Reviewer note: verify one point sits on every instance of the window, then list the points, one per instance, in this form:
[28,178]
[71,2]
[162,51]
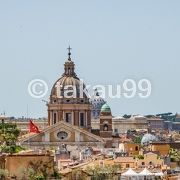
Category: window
[94,113]
[69,70]
[70,91]
[82,120]
[62,135]
[54,118]
[127,165]
[105,128]
[136,148]
[143,163]
[68,117]
[116,130]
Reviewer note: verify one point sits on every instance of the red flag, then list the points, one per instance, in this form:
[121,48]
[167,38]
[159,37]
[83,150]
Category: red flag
[33,128]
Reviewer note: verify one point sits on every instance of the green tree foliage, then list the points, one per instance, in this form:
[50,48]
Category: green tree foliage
[137,140]
[174,155]
[126,116]
[8,137]
[139,157]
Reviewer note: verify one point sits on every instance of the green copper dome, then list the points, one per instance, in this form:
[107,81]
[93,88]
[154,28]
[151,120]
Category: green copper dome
[105,108]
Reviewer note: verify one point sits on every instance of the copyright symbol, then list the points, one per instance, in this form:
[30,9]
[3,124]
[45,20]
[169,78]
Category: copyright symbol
[37,88]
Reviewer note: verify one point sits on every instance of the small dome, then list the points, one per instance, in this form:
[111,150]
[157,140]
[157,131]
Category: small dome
[97,101]
[106,108]
[148,138]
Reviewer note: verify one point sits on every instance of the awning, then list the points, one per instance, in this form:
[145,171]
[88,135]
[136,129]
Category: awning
[159,174]
[129,172]
[145,172]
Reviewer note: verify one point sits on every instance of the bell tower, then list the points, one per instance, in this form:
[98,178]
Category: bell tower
[106,125]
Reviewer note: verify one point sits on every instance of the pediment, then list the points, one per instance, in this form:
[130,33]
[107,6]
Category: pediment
[64,132]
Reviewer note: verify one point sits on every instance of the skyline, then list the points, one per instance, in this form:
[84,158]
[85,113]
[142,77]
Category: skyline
[111,41]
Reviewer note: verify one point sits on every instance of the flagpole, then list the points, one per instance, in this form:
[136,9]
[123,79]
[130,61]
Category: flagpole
[44,119]
[27,115]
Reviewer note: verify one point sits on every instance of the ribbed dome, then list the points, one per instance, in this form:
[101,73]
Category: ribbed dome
[106,108]
[97,102]
[70,83]
[69,86]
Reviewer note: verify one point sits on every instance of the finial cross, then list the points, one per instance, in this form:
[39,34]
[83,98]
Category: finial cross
[69,52]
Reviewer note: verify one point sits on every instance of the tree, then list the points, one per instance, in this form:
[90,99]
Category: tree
[137,140]
[126,116]
[139,157]
[8,137]
[174,155]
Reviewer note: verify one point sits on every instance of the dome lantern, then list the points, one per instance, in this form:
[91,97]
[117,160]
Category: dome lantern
[69,65]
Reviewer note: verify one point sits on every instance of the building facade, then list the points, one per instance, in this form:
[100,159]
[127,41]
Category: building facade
[69,115]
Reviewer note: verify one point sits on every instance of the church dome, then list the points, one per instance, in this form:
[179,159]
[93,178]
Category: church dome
[97,102]
[105,108]
[69,87]
[148,138]
[68,83]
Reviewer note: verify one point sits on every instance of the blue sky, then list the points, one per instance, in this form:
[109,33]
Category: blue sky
[111,41]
